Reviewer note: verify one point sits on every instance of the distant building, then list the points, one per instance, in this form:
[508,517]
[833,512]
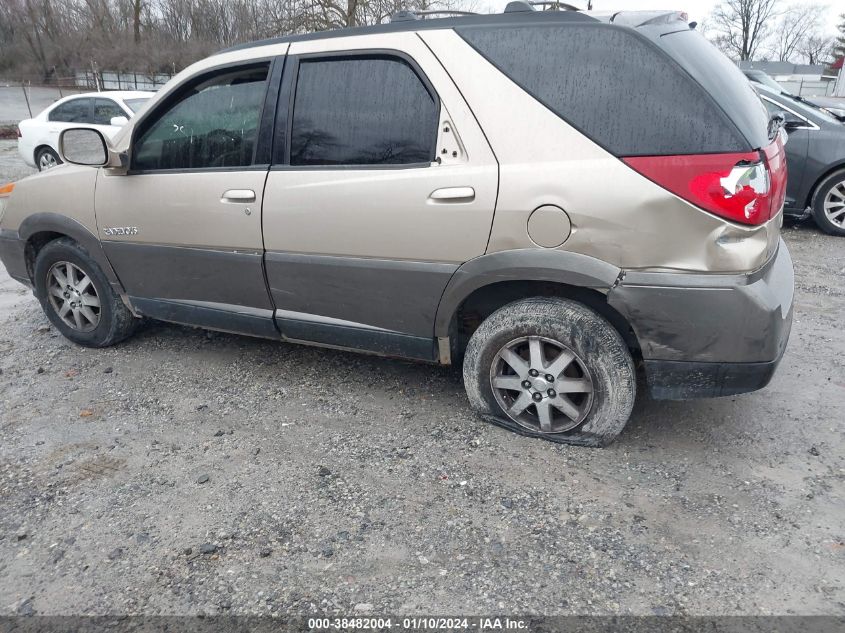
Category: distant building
[800,79]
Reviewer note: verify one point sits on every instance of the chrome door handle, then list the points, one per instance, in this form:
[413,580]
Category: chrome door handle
[453,194]
[238,196]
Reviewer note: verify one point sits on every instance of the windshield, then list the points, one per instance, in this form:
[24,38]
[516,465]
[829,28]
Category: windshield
[135,104]
[760,77]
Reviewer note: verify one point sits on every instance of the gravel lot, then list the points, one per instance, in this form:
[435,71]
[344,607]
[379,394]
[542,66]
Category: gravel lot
[186,472]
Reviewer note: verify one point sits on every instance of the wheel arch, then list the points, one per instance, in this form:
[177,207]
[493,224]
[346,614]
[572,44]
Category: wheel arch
[41,146]
[39,229]
[832,169]
[485,284]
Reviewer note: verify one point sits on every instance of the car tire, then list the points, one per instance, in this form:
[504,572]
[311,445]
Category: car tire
[588,391]
[85,309]
[829,204]
[46,158]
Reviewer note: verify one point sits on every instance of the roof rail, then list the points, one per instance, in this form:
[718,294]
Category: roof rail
[405,16]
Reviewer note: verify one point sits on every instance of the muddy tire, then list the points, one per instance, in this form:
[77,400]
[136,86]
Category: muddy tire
[77,297]
[551,368]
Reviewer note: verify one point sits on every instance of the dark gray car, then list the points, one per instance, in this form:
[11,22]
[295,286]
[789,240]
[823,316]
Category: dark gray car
[815,157]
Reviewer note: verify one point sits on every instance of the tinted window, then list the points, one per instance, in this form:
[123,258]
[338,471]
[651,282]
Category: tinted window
[105,110]
[722,79]
[606,81]
[363,111]
[212,124]
[73,111]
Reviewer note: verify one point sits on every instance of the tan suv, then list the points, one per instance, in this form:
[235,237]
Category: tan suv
[552,199]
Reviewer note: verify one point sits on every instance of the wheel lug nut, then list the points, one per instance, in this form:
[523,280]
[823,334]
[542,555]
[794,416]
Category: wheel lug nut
[526,383]
[550,378]
[537,397]
[552,393]
[533,373]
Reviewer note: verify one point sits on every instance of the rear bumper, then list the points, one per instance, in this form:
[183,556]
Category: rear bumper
[12,255]
[27,152]
[709,335]
[679,380]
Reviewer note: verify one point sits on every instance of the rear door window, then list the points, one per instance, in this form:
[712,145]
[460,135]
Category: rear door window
[372,110]
[73,111]
[212,123]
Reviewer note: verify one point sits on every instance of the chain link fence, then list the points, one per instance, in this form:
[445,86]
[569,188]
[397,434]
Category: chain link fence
[24,98]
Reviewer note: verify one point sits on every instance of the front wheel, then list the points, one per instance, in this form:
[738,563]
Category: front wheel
[77,297]
[551,368]
[829,204]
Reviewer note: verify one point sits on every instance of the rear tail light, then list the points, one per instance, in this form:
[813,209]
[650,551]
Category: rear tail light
[743,187]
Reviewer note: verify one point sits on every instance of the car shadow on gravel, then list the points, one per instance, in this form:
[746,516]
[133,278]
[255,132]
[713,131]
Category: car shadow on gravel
[683,424]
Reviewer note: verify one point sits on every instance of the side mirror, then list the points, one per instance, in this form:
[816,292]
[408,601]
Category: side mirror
[792,122]
[118,121]
[83,146]
[776,123]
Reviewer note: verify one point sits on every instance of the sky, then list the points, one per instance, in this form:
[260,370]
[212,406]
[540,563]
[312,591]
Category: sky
[698,10]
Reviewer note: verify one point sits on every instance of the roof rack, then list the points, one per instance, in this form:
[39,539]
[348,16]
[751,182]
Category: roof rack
[406,16]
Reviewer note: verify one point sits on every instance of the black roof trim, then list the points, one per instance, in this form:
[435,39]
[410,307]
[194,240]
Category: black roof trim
[497,19]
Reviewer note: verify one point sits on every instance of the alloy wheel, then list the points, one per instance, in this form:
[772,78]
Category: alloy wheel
[834,204]
[541,384]
[73,296]
[46,161]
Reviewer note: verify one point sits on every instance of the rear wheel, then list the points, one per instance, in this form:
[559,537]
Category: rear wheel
[829,204]
[46,158]
[77,297]
[551,368]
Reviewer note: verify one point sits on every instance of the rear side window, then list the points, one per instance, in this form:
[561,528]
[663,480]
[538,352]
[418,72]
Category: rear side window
[212,123]
[105,110]
[722,79]
[610,84]
[73,111]
[362,111]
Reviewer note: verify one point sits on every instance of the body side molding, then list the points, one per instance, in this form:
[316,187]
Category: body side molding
[213,316]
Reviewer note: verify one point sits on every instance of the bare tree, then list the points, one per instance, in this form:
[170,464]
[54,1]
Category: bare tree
[816,48]
[798,23]
[137,5]
[742,26]
[57,37]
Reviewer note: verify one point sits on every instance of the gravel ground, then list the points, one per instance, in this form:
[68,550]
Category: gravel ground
[186,472]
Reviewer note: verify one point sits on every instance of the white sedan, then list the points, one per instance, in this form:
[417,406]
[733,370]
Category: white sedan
[38,137]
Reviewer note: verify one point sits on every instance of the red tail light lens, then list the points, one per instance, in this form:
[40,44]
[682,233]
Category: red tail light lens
[743,187]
